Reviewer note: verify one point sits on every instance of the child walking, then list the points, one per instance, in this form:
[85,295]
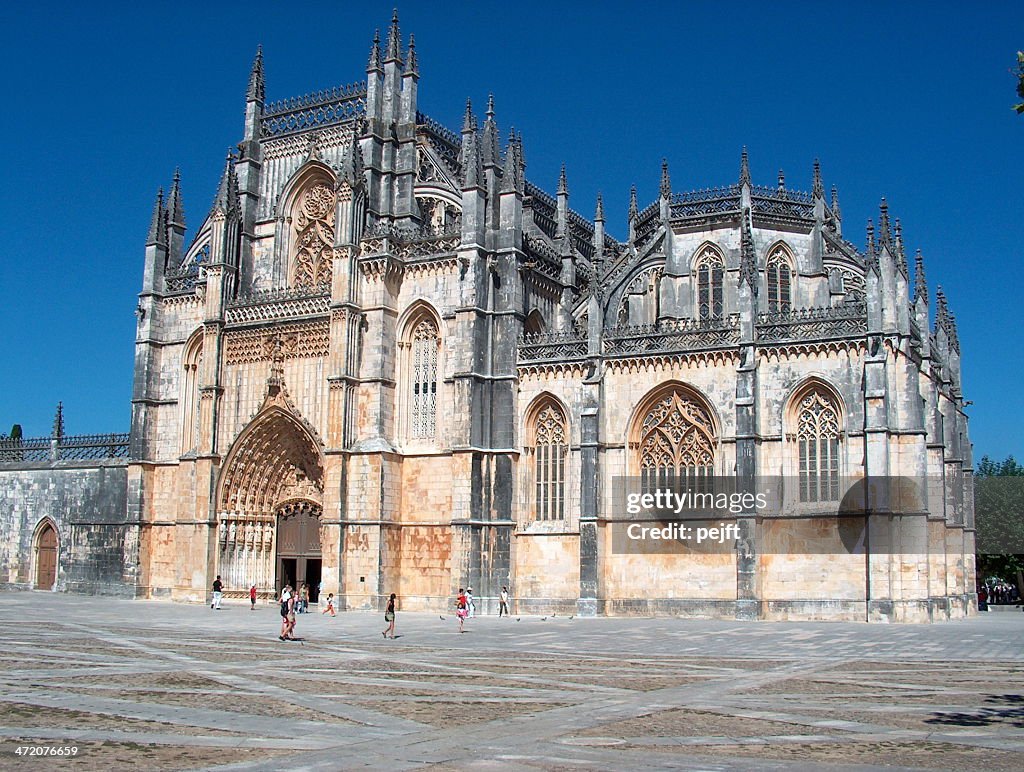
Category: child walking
[330,604]
[389,617]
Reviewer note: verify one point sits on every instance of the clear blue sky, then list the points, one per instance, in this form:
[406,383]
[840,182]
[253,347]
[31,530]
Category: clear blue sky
[911,101]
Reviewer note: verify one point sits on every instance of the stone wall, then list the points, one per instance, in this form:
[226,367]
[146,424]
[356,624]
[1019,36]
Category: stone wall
[86,503]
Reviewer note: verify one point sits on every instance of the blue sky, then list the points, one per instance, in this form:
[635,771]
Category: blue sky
[910,101]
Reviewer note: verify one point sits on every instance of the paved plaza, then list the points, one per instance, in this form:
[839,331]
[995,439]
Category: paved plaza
[152,685]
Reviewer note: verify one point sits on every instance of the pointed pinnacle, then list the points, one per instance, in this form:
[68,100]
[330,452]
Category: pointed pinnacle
[818,190]
[374,63]
[599,214]
[58,421]
[920,281]
[666,184]
[563,184]
[175,209]
[490,106]
[885,232]
[394,40]
[634,210]
[411,65]
[468,120]
[256,88]
[871,237]
[155,235]
[835,203]
[782,180]
[744,167]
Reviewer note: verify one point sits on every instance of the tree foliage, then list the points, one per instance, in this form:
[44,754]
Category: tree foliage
[999,518]
[1019,107]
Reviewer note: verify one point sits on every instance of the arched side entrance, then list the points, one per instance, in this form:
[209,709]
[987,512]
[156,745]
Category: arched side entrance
[298,546]
[46,557]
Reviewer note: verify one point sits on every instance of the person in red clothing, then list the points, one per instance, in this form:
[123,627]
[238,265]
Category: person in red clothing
[252,598]
[461,608]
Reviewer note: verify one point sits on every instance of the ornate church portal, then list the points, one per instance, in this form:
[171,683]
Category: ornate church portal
[270,500]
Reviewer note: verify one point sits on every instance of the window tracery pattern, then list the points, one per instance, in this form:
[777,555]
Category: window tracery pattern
[710,270]
[778,280]
[423,402]
[550,446]
[818,439]
[314,236]
[676,443]
[192,366]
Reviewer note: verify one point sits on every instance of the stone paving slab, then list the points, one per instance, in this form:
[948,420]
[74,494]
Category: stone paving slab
[538,693]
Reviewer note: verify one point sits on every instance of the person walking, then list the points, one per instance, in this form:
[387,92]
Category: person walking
[287,617]
[461,609]
[389,617]
[470,604]
[252,597]
[503,603]
[330,605]
[218,592]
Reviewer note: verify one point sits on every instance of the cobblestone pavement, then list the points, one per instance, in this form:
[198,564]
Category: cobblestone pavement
[151,685]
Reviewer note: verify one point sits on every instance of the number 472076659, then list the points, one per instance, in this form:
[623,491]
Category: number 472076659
[46,750]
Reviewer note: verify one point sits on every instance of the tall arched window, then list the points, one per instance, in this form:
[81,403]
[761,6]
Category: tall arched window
[192,366]
[778,274]
[424,343]
[313,220]
[675,443]
[710,269]
[817,434]
[549,432]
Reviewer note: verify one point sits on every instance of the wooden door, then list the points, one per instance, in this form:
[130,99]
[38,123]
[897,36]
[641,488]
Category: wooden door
[46,558]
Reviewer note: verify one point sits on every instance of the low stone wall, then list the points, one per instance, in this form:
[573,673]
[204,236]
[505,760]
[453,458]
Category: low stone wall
[86,503]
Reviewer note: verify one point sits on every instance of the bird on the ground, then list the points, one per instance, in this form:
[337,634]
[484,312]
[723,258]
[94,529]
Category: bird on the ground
[517,619]
[571,616]
[439,616]
[543,619]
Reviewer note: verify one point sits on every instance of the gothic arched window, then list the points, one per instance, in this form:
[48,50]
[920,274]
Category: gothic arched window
[778,272]
[549,431]
[710,269]
[675,443]
[817,434]
[313,220]
[192,365]
[423,343]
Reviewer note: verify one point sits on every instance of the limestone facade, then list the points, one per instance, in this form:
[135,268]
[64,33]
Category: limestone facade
[388,362]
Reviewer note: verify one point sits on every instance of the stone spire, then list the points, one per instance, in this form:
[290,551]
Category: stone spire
[599,213]
[744,168]
[872,252]
[374,63]
[901,256]
[748,257]
[58,421]
[226,199]
[782,180]
[491,147]
[634,210]
[920,281]
[818,190]
[512,173]
[175,209]
[563,184]
[835,203]
[394,40]
[666,183]
[885,231]
[468,120]
[257,88]
[411,65]
[157,231]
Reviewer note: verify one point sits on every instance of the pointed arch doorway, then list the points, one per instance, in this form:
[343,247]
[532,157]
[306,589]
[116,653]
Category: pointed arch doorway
[298,546]
[270,503]
[46,557]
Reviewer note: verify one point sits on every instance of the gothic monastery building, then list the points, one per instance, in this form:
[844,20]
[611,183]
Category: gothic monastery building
[386,361]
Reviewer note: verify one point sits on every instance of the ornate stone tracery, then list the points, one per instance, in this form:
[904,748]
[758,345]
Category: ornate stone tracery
[710,276]
[314,236]
[778,271]
[818,439]
[675,440]
[550,445]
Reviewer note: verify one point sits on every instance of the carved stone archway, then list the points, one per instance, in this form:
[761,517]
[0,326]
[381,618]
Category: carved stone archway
[46,557]
[275,468]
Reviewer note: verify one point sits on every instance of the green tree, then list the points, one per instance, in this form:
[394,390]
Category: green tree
[999,519]
[1019,107]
